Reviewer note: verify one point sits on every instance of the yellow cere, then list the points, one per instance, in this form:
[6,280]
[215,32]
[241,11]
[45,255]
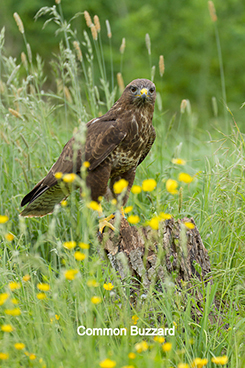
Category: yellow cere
[108,286]
[171,186]
[178,161]
[149,185]
[3,219]
[107,363]
[69,178]
[119,186]
[144,91]
[70,274]
[185,178]
[96,299]
[136,189]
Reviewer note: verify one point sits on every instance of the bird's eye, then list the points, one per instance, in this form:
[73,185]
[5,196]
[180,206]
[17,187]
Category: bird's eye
[152,89]
[133,89]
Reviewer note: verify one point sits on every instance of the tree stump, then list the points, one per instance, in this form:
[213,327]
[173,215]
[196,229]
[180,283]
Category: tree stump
[154,256]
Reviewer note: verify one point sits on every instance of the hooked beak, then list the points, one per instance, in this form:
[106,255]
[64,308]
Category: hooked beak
[143,93]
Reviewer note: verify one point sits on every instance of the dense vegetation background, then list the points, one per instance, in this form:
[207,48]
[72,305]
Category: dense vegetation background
[180,30]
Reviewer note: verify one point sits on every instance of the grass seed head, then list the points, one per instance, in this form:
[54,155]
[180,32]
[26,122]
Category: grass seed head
[212,11]
[19,23]
[97,23]
[87,18]
[161,65]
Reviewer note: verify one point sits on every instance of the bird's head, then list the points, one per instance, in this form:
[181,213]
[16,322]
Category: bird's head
[140,92]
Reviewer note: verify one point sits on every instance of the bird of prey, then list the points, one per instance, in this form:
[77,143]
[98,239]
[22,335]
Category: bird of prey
[116,143]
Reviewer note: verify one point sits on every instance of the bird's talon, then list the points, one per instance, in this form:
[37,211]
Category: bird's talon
[105,222]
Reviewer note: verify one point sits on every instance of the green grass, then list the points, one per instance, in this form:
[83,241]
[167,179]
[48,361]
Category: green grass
[30,144]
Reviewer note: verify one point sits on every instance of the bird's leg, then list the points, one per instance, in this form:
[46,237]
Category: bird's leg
[122,212]
[104,221]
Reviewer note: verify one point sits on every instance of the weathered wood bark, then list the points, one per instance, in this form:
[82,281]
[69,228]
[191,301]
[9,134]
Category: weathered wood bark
[152,256]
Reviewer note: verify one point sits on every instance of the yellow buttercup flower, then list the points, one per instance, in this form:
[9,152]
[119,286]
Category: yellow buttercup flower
[135,319]
[86,164]
[41,296]
[171,186]
[108,286]
[79,256]
[19,346]
[189,225]
[159,339]
[141,346]
[178,161]
[199,363]
[26,278]
[94,206]
[185,178]
[120,185]
[9,237]
[96,300]
[63,203]
[13,285]
[128,209]
[3,219]
[154,223]
[165,216]
[136,189]
[69,244]
[69,178]
[4,356]
[43,287]
[7,328]
[32,356]
[108,363]
[222,360]
[13,312]
[132,355]
[167,346]
[83,245]
[14,301]
[133,219]
[58,175]
[3,298]
[70,274]
[92,283]
[149,185]
[183,365]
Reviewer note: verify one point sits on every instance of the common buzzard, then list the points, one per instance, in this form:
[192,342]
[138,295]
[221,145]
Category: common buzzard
[116,143]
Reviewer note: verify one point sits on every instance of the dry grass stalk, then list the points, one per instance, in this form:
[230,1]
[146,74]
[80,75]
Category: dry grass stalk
[78,50]
[29,53]
[183,106]
[212,11]
[161,65]
[123,45]
[87,18]
[120,82]
[19,22]
[108,27]
[94,32]
[67,94]
[15,113]
[97,23]
[148,43]
[24,60]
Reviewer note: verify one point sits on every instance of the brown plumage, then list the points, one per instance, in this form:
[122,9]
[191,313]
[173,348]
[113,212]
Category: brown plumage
[116,143]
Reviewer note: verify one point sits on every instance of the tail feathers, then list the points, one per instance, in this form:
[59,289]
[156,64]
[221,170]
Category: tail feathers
[42,200]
